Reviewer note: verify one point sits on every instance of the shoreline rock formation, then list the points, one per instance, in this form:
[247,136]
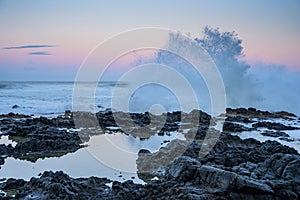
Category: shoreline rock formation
[233,169]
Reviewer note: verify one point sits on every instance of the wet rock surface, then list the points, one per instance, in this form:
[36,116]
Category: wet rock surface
[209,164]
[274,126]
[38,137]
[233,128]
[275,134]
[254,113]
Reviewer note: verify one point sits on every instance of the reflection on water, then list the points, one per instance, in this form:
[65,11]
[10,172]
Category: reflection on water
[119,151]
[109,155]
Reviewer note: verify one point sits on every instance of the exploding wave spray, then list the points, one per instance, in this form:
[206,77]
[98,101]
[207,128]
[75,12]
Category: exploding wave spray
[264,87]
[153,94]
[278,86]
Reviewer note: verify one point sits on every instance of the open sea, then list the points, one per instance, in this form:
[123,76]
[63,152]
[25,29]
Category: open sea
[53,98]
[46,98]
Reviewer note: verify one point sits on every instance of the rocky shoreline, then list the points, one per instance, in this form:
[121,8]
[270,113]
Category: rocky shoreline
[233,169]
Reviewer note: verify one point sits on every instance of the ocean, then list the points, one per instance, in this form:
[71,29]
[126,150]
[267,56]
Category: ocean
[45,98]
[54,98]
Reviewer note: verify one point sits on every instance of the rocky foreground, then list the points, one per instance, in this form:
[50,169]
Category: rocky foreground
[232,169]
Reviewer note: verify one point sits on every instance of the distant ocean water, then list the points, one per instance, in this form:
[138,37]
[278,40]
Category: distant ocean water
[45,98]
[53,98]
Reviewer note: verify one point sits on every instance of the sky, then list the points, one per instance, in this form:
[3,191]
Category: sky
[49,40]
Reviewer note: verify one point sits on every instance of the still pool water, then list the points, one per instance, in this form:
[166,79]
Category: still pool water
[107,155]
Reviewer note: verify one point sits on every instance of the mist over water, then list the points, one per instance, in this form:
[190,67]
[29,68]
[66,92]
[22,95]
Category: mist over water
[262,86]
[278,87]
[166,96]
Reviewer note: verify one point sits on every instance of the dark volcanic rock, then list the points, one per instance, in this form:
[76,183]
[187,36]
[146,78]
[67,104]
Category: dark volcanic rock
[275,134]
[280,166]
[275,178]
[15,106]
[60,186]
[202,118]
[38,137]
[242,169]
[233,127]
[287,139]
[150,164]
[254,113]
[12,183]
[231,151]
[283,114]
[6,149]
[225,181]
[221,166]
[239,119]
[183,168]
[144,151]
[274,126]
[271,147]
[14,115]
[250,112]
[197,133]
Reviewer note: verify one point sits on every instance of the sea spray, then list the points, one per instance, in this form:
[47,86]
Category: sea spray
[263,86]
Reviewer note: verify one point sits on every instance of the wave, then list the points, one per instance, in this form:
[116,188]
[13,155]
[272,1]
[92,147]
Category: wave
[266,87]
